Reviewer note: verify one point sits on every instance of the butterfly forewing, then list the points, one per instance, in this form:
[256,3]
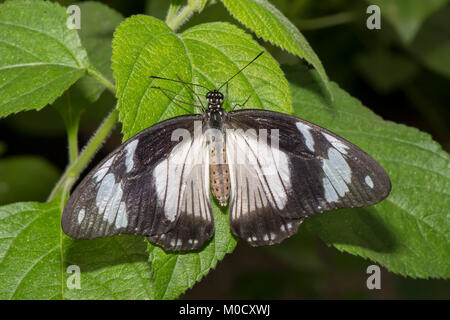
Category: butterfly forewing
[156,184]
[284,169]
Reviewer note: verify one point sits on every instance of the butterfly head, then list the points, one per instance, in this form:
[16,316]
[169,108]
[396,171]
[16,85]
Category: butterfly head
[215,100]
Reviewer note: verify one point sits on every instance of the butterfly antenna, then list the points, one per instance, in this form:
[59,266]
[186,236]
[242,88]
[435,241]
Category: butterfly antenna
[180,81]
[187,85]
[259,54]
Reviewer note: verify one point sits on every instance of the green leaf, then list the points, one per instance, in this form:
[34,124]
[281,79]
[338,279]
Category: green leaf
[35,256]
[207,54]
[174,273]
[376,65]
[407,16]
[97,26]
[268,23]
[199,4]
[26,178]
[408,233]
[98,23]
[41,56]
[432,44]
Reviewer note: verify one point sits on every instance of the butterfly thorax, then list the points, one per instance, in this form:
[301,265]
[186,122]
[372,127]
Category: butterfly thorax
[218,169]
[215,110]
[215,100]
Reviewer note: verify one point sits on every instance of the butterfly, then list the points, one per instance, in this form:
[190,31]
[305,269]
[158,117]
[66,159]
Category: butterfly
[272,169]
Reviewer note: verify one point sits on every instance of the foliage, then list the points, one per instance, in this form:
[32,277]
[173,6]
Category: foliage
[44,62]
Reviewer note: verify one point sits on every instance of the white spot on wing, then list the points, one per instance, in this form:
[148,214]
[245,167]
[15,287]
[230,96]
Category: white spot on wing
[304,129]
[109,202]
[369,181]
[113,205]
[130,149]
[174,175]
[337,175]
[103,170]
[104,192]
[122,219]
[160,177]
[81,216]
[265,167]
[339,145]
[329,193]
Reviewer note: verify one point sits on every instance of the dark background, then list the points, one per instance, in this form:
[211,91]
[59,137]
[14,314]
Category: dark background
[372,65]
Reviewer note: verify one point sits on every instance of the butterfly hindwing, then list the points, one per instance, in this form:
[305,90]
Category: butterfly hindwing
[153,184]
[304,170]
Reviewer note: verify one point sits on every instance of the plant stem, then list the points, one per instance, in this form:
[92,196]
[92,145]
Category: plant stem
[100,78]
[172,11]
[72,137]
[72,122]
[73,171]
[77,162]
[174,21]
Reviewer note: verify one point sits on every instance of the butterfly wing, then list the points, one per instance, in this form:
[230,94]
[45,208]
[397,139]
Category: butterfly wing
[155,184]
[304,170]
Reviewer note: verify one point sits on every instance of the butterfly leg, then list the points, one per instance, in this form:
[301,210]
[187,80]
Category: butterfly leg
[174,99]
[226,93]
[241,105]
[192,90]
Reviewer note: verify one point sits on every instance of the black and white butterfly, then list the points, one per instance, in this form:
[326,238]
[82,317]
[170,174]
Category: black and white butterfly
[273,169]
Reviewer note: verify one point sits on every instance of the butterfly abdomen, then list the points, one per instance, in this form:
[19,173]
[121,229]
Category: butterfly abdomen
[219,174]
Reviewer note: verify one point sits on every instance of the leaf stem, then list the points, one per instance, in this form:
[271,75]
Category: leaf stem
[172,11]
[72,122]
[73,171]
[77,162]
[175,20]
[100,78]
[72,137]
